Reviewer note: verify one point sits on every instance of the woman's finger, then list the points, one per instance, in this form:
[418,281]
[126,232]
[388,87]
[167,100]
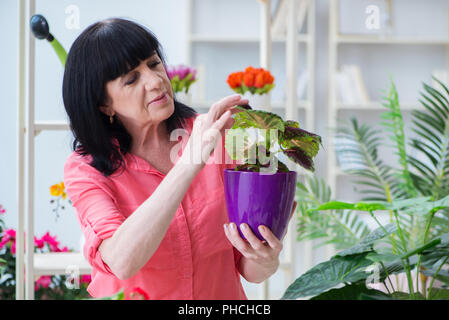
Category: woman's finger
[255,243]
[218,108]
[236,240]
[220,123]
[272,241]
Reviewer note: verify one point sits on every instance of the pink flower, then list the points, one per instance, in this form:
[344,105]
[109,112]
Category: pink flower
[9,235]
[2,210]
[86,278]
[51,241]
[181,71]
[43,281]
[39,243]
[4,241]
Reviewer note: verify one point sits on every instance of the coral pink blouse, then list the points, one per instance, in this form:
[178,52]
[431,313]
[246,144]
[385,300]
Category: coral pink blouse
[195,260]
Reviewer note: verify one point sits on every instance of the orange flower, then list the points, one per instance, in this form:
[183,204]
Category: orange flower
[259,81]
[268,78]
[256,80]
[248,79]
[235,79]
[249,69]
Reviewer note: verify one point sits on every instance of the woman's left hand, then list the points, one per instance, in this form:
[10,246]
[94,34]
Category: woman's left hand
[264,253]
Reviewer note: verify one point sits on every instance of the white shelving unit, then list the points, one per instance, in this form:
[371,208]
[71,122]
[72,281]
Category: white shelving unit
[28,129]
[291,106]
[335,41]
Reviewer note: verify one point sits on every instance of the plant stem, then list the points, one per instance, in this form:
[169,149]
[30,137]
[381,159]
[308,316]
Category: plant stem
[401,235]
[429,290]
[377,221]
[393,239]
[409,278]
[386,287]
[407,262]
[388,277]
[426,232]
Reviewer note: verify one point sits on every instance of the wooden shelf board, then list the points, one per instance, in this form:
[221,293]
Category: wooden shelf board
[55,263]
[375,106]
[51,125]
[302,104]
[304,38]
[374,39]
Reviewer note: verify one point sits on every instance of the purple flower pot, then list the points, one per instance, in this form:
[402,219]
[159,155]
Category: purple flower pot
[260,199]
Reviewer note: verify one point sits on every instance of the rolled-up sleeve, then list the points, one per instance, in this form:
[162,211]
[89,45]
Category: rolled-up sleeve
[94,205]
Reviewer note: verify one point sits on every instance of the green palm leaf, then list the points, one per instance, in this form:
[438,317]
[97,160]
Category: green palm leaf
[396,126]
[432,127]
[373,174]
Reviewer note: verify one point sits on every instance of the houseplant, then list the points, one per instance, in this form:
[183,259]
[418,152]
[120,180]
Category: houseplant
[181,78]
[55,287]
[414,195]
[260,190]
[253,83]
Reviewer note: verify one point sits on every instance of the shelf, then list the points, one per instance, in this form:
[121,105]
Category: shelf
[302,104]
[59,263]
[302,38]
[376,39]
[375,106]
[39,126]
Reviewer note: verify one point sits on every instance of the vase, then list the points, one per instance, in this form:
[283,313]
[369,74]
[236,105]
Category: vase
[257,101]
[260,199]
[185,98]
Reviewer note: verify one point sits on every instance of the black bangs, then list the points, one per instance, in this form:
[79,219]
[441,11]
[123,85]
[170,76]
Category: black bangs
[129,43]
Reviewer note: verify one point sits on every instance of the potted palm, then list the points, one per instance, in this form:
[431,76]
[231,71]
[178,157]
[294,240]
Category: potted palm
[260,190]
[406,256]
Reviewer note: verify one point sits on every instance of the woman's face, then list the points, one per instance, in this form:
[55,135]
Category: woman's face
[142,96]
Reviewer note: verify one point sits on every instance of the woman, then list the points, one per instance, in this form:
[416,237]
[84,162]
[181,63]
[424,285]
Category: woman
[151,215]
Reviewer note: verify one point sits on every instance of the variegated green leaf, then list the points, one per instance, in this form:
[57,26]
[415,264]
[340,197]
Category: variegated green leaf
[302,139]
[240,145]
[258,119]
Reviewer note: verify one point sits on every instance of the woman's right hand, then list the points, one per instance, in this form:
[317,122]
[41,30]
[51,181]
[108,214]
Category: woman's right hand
[208,128]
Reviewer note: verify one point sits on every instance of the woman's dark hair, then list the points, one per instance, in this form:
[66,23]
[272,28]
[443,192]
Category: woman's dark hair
[104,51]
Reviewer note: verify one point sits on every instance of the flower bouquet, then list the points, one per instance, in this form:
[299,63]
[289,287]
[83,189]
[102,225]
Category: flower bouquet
[181,77]
[253,80]
[46,287]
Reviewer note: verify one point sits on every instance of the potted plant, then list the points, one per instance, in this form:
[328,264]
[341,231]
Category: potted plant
[253,83]
[413,242]
[181,78]
[260,190]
